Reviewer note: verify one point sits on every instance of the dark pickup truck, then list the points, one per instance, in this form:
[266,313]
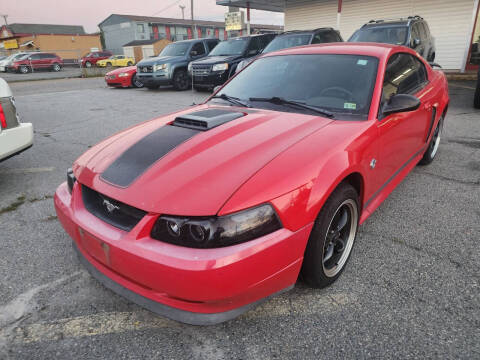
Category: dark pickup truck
[170,66]
[220,64]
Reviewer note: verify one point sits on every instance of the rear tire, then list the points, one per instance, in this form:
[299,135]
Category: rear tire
[332,238]
[24,69]
[476,97]
[433,144]
[135,82]
[181,80]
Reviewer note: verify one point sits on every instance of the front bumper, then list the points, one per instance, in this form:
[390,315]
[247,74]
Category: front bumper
[211,80]
[195,286]
[116,81]
[15,140]
[161,78]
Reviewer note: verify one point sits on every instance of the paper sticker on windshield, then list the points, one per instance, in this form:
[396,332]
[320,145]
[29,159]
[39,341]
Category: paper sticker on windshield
[362,62]
[351,106]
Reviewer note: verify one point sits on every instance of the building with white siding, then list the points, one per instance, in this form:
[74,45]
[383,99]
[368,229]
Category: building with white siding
[453,24]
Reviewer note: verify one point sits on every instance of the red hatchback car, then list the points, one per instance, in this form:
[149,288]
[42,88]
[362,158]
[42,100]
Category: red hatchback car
[91,59]
[36,61]
[201,214]
[123,77]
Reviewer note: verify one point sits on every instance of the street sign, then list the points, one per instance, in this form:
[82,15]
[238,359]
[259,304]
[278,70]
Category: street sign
[234,21]
[10,44]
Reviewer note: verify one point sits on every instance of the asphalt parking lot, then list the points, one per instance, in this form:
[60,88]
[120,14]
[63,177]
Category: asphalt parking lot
[65,72]
[410,290]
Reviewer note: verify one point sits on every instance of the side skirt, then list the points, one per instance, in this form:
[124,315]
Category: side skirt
[374,202]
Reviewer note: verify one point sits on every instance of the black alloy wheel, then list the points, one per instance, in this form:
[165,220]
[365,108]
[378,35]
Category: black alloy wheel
[181,81]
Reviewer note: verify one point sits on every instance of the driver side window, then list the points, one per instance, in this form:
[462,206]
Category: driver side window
[404,75]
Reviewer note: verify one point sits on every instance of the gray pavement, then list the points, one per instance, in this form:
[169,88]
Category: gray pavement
[410,290]
[65,73]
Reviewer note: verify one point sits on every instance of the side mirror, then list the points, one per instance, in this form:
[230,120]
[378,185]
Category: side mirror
[417,42]
[401,103]
[193,53]
[434,64]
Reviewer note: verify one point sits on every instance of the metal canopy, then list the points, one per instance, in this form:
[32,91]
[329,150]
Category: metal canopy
[269,5]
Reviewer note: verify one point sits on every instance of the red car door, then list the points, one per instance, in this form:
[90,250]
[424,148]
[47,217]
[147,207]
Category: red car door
[35,61]
[402,135]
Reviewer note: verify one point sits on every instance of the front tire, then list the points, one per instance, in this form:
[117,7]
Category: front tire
[135,82]
[433,145]
[332,238]
[181,80]
[56,67]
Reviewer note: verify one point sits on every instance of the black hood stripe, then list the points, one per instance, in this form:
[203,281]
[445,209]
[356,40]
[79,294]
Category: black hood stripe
[143,154]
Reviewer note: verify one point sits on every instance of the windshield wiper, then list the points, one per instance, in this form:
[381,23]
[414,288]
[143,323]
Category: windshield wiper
[231,99]
[281,101]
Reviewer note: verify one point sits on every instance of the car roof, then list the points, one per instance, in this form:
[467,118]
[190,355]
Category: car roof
[311,31]
[193,40]
[367,49]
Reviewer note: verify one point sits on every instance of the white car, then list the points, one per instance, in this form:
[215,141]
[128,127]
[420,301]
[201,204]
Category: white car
[15,136]
[4,63]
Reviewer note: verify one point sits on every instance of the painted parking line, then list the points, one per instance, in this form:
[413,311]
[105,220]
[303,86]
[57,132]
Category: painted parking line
[461,86]
[119,322]
[27,170]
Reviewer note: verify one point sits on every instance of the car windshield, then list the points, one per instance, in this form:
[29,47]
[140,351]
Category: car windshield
[388,35]
[230,47]
[178,49]
[288,41]
[337,83]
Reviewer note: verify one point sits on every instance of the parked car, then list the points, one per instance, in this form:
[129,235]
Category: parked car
[116,60]
[476,99]
[91,59]
[170,66]
[123,77]
[201,214]
[15,136]
[412,32]
[37,61]
[5,62]
[296,38]
[220,64]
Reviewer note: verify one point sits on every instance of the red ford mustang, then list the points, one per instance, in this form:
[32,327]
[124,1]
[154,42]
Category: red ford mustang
[123,77]
[201,214]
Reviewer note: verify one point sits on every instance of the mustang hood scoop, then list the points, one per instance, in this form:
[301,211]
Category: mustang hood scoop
[206,119]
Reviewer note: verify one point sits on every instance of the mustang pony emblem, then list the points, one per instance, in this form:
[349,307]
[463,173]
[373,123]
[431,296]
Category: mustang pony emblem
[109,206]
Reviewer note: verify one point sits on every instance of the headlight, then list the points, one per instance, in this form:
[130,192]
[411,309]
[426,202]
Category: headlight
[157,67]
[70,180]
[217,231]
[220,67]
[122,74]
[189,67]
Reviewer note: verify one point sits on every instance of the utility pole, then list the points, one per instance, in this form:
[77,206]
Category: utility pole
[194,27]
[182,7]
[5,16]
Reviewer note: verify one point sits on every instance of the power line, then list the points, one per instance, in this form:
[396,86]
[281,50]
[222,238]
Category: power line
[167,7]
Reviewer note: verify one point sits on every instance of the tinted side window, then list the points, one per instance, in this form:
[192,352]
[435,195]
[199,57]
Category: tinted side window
[211,44]
[265,40]
[199,48]
[404,75]
[35,57]
[415,33]
[255,45]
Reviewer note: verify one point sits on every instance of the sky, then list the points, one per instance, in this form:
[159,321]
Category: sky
[90,13]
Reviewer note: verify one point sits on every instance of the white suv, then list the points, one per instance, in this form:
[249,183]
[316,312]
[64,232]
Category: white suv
[15,136]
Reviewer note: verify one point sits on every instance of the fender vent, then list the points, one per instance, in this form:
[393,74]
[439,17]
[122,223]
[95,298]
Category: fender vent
[206,119]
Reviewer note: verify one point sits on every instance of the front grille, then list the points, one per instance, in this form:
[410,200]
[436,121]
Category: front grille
[113,212]
[145,69]
[201,69]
